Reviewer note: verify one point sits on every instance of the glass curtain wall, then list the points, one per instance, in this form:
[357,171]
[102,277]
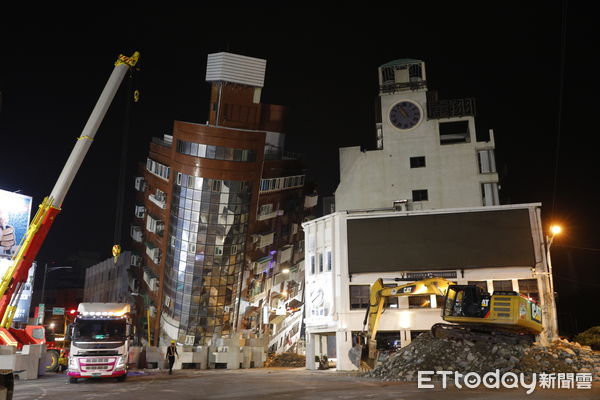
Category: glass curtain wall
[208,225]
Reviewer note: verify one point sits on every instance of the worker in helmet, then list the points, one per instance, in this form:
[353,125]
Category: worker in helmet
[171,353]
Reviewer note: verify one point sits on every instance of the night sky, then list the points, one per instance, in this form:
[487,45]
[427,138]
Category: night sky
[322,64]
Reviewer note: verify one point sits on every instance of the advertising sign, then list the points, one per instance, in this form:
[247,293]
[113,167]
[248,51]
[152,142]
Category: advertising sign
[22,314]
[15,212]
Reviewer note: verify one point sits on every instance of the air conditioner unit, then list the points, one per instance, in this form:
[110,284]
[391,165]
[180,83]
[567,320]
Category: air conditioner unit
[140,211]
[139,183]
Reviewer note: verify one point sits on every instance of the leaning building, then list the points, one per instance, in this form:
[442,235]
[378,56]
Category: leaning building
[216,238]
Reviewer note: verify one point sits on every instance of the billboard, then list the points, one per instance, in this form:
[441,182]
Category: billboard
[15,212]
[22,313]
[495,238]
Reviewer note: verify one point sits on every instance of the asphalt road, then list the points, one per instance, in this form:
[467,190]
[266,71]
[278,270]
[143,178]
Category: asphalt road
[265,383]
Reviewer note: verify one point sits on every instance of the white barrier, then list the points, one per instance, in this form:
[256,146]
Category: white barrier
[27,364]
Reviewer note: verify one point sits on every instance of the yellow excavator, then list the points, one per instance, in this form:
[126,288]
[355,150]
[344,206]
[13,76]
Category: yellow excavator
[472,312]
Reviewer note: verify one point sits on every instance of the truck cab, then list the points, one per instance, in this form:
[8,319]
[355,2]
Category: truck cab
[100,339]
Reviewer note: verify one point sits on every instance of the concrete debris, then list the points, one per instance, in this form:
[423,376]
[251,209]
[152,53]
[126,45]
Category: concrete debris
[286,360]
[427,353]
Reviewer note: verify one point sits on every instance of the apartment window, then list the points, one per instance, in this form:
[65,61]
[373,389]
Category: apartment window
[312,265]
[487,161]
[439,301]
[140,211]
[420,195]
[481,284]
[454,132]
[266,209]
[417,162]
[489,194]
[157,169]
[359,296]
[281,183]
[422,301]
[529,288]
[503,286]
[329,261]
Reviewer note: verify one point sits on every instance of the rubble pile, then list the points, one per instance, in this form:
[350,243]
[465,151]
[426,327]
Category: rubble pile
[286,360]
[427,353]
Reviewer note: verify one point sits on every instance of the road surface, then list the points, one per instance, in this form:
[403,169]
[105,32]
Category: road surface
[265,383]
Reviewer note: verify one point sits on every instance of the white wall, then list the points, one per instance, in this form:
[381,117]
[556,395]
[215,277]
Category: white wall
[328,294]
[374,179]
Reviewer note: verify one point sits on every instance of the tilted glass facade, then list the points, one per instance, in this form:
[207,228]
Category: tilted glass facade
[208,225]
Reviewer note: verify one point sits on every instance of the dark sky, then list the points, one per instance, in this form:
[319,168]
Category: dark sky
[322,64]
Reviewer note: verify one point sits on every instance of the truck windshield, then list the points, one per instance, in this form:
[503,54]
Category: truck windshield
[95,330]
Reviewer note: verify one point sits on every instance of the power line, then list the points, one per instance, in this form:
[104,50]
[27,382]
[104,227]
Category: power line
[576,247]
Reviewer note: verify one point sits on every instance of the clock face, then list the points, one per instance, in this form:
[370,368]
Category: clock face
[405,115]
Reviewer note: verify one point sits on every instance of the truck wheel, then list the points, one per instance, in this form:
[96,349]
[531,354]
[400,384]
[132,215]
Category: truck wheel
[52,365]
[73,380]
[122,378]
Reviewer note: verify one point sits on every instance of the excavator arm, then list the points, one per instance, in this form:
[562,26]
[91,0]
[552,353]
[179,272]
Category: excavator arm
[379,293]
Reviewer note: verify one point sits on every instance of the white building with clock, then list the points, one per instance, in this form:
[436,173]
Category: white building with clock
[427,150]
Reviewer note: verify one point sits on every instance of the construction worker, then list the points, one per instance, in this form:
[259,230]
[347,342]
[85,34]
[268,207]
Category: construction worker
[171,353]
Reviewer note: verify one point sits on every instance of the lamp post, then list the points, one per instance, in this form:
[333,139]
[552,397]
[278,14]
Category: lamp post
[551,298]
[41,309]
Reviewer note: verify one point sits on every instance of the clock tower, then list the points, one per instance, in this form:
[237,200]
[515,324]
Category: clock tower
[427,155]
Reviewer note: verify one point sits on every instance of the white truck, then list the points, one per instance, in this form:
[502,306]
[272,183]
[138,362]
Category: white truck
[100,339]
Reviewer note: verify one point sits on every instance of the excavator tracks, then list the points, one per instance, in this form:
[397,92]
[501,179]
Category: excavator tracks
[480,333]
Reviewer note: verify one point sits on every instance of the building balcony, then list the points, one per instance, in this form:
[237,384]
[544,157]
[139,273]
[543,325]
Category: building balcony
[140,184]
[153,252]
[284,254]
[151,279]
[140,211]
[160,201]
[155,225]
[261,264]
[136,233]
[136,260]
[264,239]
[269,215]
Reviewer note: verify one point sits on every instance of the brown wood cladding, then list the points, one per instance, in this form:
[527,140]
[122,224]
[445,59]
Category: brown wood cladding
[238,109]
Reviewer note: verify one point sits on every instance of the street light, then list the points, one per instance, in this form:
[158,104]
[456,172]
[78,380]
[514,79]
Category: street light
[554,230]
